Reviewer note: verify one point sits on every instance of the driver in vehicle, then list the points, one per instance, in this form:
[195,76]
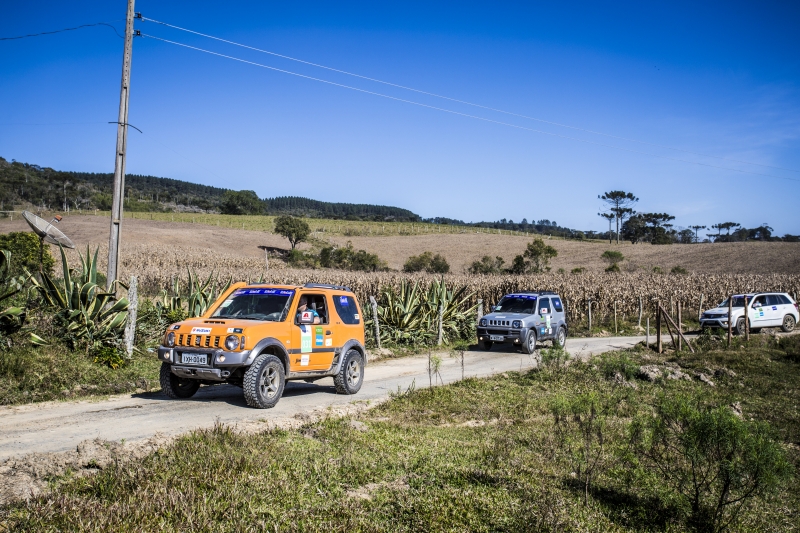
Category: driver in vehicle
[303,306]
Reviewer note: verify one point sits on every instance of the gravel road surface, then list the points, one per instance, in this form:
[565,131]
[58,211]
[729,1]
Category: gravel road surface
[61,426]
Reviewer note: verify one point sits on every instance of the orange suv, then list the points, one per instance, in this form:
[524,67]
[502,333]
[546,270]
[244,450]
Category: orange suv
[260,336]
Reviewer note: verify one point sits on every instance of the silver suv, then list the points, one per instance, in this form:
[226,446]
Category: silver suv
[522,319]
[765,310]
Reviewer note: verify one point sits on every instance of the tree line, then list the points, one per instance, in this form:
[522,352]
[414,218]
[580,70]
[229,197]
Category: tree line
[657,228]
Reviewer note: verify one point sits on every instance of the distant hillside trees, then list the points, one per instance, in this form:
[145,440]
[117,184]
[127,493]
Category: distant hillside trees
[241,203]
[620,205]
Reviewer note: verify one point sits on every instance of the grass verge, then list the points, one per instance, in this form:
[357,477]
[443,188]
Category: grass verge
[29,374]
[478,455]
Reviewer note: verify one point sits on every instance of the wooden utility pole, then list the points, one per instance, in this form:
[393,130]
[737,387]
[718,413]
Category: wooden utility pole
[119,157]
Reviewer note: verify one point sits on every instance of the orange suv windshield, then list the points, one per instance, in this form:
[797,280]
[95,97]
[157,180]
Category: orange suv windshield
[271,305]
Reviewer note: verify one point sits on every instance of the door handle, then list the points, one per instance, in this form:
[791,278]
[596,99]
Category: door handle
[328,332]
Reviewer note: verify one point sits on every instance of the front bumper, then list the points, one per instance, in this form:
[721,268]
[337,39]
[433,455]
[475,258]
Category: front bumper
[714,322]
[220,363]
[508,335]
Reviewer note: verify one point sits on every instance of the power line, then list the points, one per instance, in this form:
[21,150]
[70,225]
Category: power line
[467,115]
[465,102]
[49,123]
[65,29]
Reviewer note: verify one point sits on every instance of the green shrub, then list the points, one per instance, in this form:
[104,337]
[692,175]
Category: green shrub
[347,258]
[300,259]
[613,268]
[658,270]
[580,423]
[678,270]
[110,356]
[538,255]
[24,248]
[487,265]
[578,270]
[612,364]
[711,460]
[612,257]
[11,318]
[427,262]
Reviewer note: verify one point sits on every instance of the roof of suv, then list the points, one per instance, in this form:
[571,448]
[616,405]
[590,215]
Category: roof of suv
[540,293]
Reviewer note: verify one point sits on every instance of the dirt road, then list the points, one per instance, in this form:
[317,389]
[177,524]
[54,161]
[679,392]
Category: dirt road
[61,426]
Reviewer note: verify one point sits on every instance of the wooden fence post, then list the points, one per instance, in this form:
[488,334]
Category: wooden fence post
[647,335]
[730,316]
[374,305]
[589,306]
[480,309]
[441,314]
[130,327]
[680,326]
[700,309]
[641,310]
[616,331]
[746,319]
[658,327]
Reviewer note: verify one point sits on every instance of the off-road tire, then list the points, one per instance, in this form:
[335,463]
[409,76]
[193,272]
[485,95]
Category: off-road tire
[529,342]
[788,323]
[739,329]
[561,337]
[175,387]
[485,345]
[264,382]
[351,374]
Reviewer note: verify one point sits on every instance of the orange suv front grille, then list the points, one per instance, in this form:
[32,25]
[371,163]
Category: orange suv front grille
[204,341]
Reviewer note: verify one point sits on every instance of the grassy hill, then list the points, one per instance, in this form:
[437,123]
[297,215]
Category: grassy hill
[27,184]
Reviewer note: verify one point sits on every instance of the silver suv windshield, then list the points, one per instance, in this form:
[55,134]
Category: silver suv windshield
[271,305]
[517,303]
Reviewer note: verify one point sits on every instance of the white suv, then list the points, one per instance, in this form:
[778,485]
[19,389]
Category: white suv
[766,310]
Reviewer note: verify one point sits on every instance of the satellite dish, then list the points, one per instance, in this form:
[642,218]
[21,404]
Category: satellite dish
[46,231]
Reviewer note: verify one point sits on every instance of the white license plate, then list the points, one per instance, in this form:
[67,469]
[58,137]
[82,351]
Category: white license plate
[194,358]
[496,338]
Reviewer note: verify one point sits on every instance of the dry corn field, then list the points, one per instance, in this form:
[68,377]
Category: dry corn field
[156,271]
[157,252]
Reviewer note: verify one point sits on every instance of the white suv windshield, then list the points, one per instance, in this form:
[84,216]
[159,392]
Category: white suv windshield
[738,301]
[256,304]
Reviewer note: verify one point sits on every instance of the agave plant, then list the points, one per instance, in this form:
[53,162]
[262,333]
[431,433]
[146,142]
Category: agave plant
[11,318]
[411,315]
[89,314]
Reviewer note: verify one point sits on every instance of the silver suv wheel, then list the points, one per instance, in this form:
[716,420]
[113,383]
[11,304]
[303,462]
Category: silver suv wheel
[788,323]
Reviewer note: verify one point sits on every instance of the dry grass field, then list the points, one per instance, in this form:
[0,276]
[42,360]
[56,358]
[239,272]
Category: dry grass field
[234,244]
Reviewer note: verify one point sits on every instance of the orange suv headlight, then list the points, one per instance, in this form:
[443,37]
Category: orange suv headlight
[231,342]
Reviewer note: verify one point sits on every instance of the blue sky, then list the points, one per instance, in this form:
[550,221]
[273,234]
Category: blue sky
[720,79]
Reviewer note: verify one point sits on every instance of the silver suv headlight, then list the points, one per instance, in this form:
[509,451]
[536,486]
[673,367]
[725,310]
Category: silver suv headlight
[231,342]
[170,340]
[483,321]
[516,324]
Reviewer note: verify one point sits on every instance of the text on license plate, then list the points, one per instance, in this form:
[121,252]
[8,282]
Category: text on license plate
[496,338]
[195,358]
